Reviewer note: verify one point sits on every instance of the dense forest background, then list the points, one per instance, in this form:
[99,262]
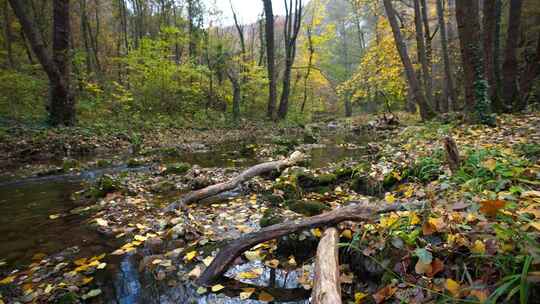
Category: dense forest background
[173,62]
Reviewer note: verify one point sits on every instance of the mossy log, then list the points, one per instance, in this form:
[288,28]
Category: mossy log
[212,190]
[357,211]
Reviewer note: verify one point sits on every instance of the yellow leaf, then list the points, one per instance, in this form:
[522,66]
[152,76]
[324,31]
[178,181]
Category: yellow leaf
[140,238]
[102,222]
[316,232]
[359,296]
[247,275]
[490,164]
[390,198]
[190,255]
[265,297]
[54,216]
[7,280]
[414,219]
[217,287]
[254,255]
[347,233]
[87,280]
[201,290]
[102,266]
[80,262]
[208,260]
[453,287]
[48,289]
[246,293]
[479,247]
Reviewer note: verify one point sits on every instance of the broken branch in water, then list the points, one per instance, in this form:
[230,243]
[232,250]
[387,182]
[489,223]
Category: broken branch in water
[358,211]
[248,174]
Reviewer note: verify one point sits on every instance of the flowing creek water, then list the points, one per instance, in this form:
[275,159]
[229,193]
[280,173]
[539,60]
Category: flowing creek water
[26,231]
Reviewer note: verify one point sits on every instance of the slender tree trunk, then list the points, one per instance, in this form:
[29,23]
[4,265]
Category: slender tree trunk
[451,96]
[428,80]
[532,72]
[61,105]
[510,69]
[489,21]
[293,21]
[8,36]
[425,110]
[311,50]
[27,48]
[499,103]
[270,57]
[192,50]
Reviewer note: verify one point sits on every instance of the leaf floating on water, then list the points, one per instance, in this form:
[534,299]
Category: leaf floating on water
[54,216]
[208,260]
[102,266]
[92,294]
[102,222]
[265,297]
[217,287]
[195,273]
[253,255]
[246,293]
[359,297]
[7,280]
[201,290]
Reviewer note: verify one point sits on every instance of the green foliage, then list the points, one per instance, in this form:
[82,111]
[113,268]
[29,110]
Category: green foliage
[22,95]
[427,168]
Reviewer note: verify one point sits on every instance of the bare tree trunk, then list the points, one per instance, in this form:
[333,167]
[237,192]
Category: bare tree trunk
[425,109]
[293,19]
[270,57]
[61,105]
[428,72]
[532,72]
[8,36]
[311,50]
[510,69]
[450,91]
[327,288]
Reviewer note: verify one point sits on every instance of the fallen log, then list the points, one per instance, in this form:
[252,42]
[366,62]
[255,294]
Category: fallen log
[358,211]
[257,170]
[327,288]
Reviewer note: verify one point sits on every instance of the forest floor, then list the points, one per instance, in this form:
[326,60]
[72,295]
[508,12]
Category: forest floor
[476,239]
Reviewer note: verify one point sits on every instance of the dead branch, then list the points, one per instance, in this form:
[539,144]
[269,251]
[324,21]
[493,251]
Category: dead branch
[358,211]
[327,288]
[212,190]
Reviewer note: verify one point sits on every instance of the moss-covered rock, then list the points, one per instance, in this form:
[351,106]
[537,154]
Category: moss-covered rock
[177,168]
[69,164]
[367,185]
[309,181]
[344,173]
[134,162]
[102,163]
[270,217]
[308,208]
[163,187]
[289,189]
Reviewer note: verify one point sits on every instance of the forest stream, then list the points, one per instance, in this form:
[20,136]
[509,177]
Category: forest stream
[30,229]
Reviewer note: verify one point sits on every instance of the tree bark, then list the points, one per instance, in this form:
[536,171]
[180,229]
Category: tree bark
[490,22]
[452,154]
[531,73]
[476,90]
[359,211]
[293,19]
[270,57]
[450,91]
[61,105]
[510,68]
[425,109]
[428,80]
[327,288]
[8,36]
[233,183]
